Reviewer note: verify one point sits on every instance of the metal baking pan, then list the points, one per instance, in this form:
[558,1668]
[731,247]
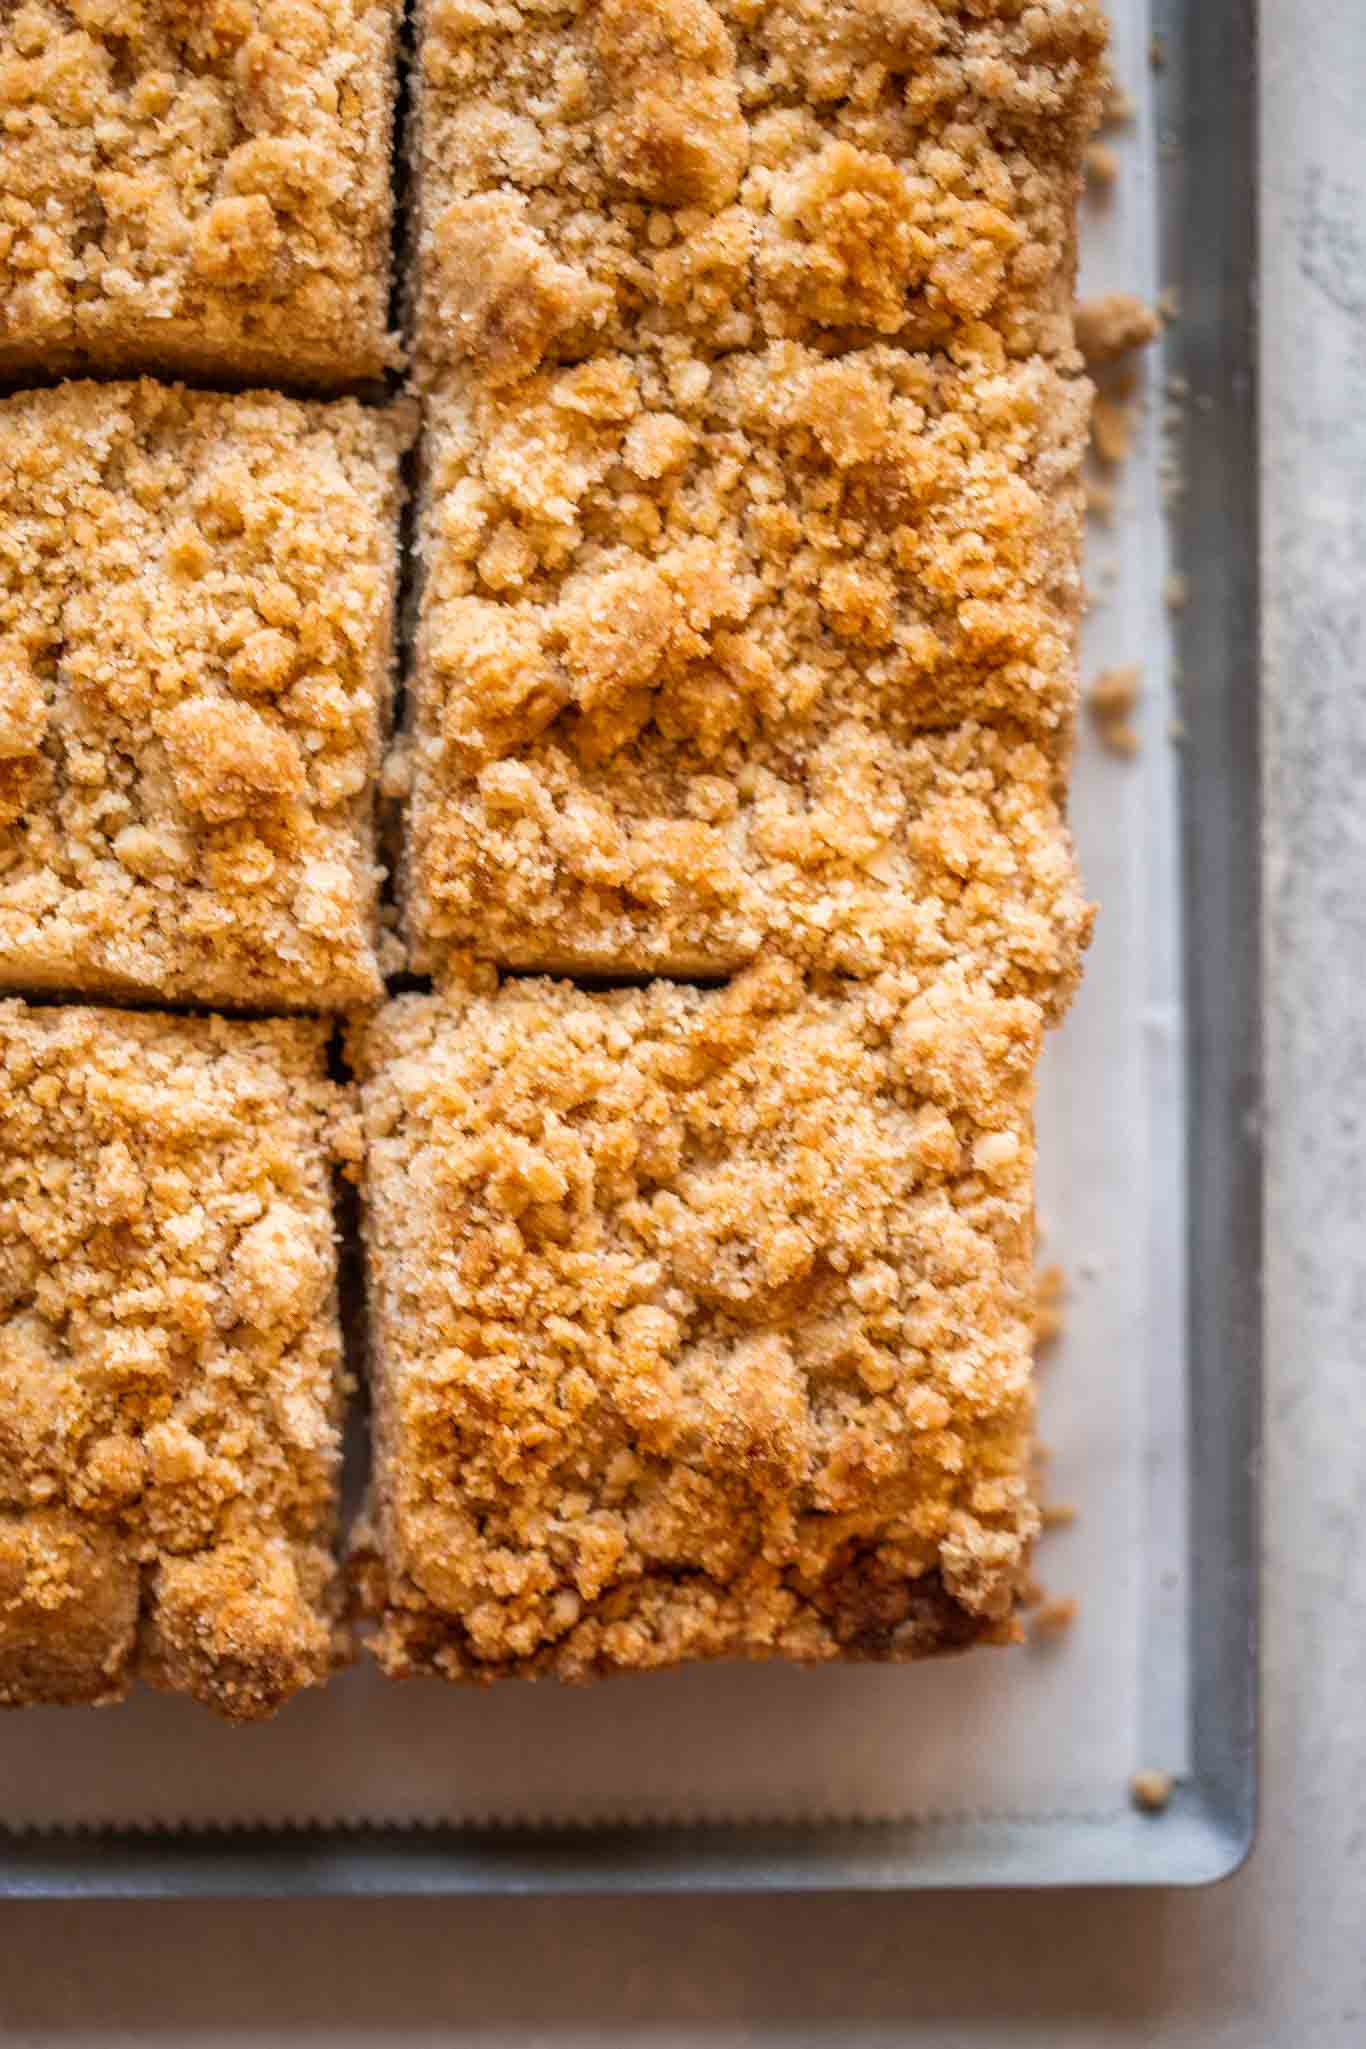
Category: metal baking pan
[1206,98]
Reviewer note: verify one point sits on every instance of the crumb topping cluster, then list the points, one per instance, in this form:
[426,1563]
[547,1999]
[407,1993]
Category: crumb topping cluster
[197,185]
[707,650]
[169,1377]
[195,619]
[907,524]
[753,169]
[703,1319]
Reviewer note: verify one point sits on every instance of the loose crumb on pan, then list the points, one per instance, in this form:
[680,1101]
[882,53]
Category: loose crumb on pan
[590,175]
[1113,324]
[1115,692]
[1112,700]
[197,188]
[195,661]
[1100,500]
[1102,165]
[1119,736]
[1111,429]
[1050,1292]
[702,1322]
[1151,1791]
[1118,107]
[1057,1515]
[1053,1617]
[170,1370]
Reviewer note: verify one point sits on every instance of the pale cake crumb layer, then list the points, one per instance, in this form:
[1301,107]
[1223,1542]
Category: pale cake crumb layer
[701,1322]
[779,648]
[597,170]
[170,1358]
[196,597]
[197,186]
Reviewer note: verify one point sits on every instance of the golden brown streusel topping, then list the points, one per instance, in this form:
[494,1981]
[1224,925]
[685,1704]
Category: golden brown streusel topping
[913,519]
[195,653]
[197,185]
[865,853]
[702,1321]
[683,624]
[598,169]
[69,1592]
[169,1357]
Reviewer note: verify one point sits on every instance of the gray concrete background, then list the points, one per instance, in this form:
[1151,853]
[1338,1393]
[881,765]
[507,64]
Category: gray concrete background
[1274,1959]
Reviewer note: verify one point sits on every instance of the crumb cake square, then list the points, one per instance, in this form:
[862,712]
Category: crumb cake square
[701,1322]
[197,186]
[196,598]
[594,169]
[776,647]
[170,1357]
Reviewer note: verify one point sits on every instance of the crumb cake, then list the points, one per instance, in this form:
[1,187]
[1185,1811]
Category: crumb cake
[596,169]
[197,186]
[701,1322]
[169,1357]
[707,653]
[196,598]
